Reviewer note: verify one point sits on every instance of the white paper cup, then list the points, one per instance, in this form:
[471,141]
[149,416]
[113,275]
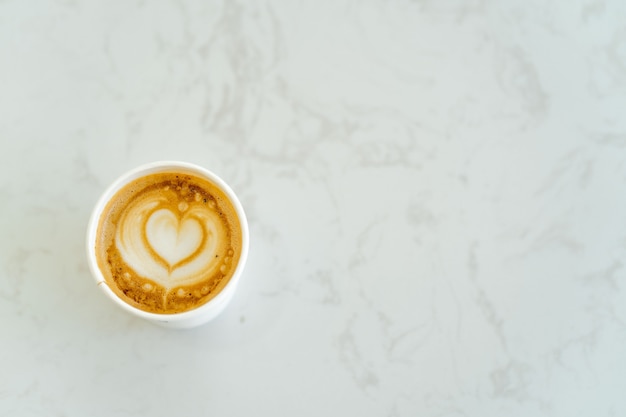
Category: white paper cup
[202,313]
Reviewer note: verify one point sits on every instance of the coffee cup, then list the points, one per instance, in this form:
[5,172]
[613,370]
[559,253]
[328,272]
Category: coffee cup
[167,242]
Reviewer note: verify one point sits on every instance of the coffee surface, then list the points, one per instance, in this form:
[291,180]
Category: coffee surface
[168,242]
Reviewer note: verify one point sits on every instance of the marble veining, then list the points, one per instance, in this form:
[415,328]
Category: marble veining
[433,190]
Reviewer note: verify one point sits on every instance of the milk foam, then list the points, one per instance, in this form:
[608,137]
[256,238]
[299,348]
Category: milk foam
[169,243]
[173,239]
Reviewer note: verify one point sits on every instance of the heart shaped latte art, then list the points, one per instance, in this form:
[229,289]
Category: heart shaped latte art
[173,239]
[171,243]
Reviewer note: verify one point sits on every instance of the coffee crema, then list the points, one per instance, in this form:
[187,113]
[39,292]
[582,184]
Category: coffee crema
[168,242]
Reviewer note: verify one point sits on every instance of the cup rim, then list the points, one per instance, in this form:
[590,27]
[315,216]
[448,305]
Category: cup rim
[150,168]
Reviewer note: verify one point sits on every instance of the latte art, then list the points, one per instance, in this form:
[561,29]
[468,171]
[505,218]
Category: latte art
[174,239]
[169,245]
[170,242]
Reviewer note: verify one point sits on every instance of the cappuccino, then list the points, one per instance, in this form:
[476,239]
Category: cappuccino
[168,242]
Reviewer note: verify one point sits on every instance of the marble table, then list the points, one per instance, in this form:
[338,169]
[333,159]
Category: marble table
[434,191]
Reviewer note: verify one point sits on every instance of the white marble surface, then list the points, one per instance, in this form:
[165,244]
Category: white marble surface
[435,191]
